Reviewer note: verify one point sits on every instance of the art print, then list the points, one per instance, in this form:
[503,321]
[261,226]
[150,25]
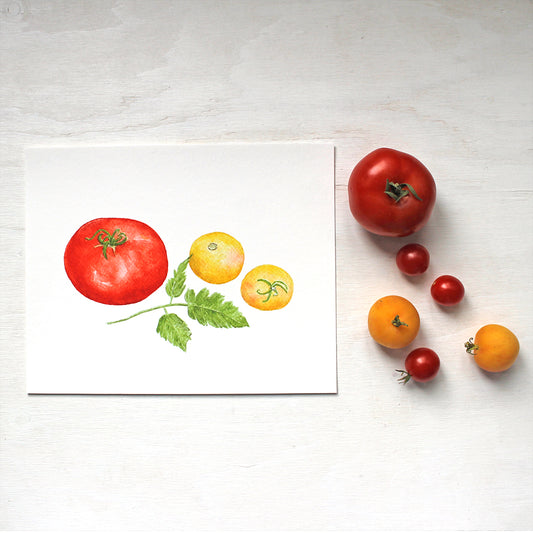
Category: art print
[181,269]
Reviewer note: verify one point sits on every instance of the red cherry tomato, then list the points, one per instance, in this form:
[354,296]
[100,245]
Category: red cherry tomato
[421,365]
[391,193]
[116,261]
[447,290]
[412,259]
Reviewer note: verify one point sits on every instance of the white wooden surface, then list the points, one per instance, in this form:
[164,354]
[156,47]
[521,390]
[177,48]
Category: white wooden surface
[451,83]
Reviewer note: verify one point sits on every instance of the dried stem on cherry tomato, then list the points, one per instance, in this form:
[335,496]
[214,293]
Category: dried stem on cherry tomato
[397,322]
[470,346]
[405,377]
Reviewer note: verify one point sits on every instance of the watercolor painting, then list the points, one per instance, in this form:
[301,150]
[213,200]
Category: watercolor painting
[130,262]
[185,281]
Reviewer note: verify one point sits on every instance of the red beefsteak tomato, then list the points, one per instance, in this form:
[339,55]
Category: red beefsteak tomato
[116,261]
[391,193]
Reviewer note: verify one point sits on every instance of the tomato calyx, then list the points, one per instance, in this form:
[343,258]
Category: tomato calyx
[108,240]
[397,191]
[396,322]
[470,346]
[405,376]
[272,288]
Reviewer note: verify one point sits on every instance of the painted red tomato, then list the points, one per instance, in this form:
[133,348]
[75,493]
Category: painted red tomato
[116,261]
[391,193]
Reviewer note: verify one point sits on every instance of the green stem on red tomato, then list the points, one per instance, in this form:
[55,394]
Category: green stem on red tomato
[397,322]
[148,310]
[405,377]
[398,190]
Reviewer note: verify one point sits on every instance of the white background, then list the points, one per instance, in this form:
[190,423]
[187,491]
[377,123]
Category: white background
[256,192]
[449,82]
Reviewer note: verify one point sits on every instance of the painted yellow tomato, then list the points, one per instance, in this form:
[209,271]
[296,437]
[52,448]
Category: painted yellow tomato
[267,287]
[216,257]
[495,348]
[393,321]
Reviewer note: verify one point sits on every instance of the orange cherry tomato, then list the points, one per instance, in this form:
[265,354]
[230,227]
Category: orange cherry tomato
[393,321]
[495,348]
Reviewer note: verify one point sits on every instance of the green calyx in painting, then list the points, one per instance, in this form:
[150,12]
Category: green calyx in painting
[108,240]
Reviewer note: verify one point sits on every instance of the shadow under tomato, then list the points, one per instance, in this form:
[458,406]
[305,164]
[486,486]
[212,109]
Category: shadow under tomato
[388,245]
[394,353]
[437,383]
[505,379]
[426,236]
[421,279]
[463,309]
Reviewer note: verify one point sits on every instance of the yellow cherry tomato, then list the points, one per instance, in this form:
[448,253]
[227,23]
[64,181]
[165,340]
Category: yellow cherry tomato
[393,321]
[495,348]
[216,257]
[267,287]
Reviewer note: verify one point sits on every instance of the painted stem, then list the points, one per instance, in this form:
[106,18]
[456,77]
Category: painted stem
[147,311]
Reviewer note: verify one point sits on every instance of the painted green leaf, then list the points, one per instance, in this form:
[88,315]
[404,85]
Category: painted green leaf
[210,309]
[173,329]
[176,284]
